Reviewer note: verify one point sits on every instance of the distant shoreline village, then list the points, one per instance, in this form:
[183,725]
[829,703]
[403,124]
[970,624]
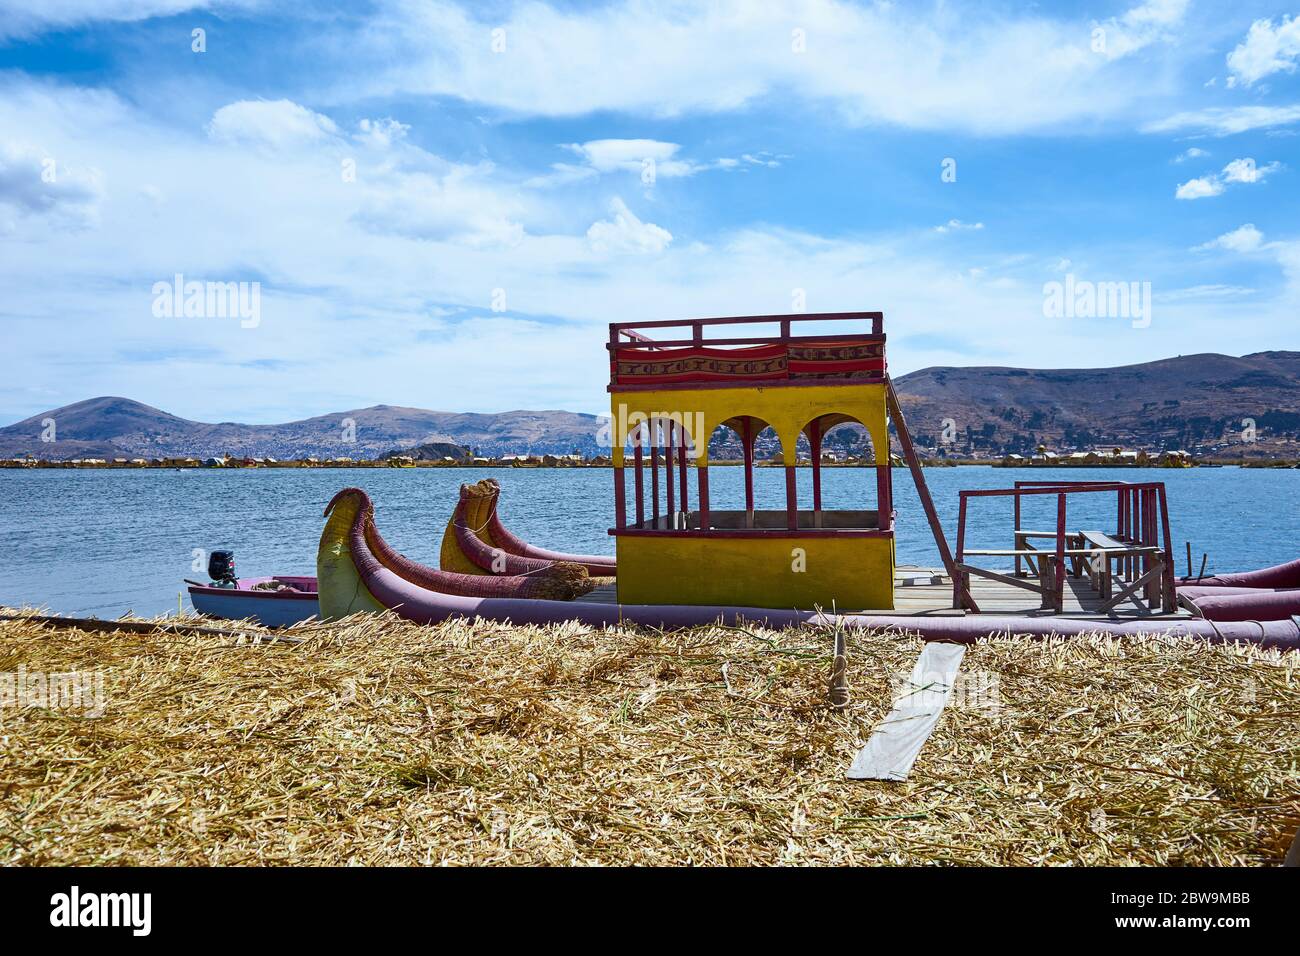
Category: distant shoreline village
[1109,458]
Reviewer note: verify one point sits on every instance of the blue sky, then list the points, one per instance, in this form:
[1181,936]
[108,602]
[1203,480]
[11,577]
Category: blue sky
[501,149]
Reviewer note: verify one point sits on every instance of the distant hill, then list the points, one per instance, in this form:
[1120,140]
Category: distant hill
[119,427]
[433,451]
[1197,402]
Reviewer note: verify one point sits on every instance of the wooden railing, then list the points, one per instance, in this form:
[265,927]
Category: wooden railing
[629,338]
[1141,528]
[638,339]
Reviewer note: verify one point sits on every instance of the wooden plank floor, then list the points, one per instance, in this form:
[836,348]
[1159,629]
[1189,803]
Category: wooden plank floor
[926,592]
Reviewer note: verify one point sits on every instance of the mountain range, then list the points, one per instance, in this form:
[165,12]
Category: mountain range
[1207,403]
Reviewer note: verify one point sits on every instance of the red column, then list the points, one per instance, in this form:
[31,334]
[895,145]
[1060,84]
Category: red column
[681,465]
[1167,592]
[620,504]
[637,441]
[702,475]
[668,470]
[815,446]
[654,472]
[747,438]
[1059,597]
[884,496]
[791,496]
[959,577]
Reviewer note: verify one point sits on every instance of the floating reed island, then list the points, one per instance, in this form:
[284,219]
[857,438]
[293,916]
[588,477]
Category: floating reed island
[377,741]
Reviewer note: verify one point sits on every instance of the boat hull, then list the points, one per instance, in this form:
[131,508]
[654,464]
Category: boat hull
[353,579]
[269,608]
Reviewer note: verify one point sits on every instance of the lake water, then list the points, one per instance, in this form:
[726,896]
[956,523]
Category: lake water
[104,542]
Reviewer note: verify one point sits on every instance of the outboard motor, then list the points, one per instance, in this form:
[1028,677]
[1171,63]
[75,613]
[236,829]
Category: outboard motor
[221,568]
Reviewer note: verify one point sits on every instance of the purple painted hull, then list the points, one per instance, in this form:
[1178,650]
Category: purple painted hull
[422,605]
[270,608]
[1279,576]
[1243,604]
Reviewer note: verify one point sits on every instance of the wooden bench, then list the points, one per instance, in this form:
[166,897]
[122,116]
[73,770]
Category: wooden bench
[1042,563]
[1145,565]
[1030,554]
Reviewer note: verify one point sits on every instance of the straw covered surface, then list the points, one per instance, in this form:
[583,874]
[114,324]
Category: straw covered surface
[376,741]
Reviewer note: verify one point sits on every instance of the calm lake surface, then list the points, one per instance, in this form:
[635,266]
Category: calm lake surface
[105,542]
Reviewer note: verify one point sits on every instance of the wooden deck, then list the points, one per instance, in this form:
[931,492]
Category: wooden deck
[925,592]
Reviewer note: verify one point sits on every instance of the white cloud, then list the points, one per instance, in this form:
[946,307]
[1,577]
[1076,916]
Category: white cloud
[36,185]
[1245,171]
[1140,26]
[460,204]
[956,225]
[1242,239]
[277,124]
[370,284]
[1193,152]
[875,63]
[1238,171]
[406,192]
[1266,50]
[626,233]
[1199,188]
[608,155]
[1225,121]
[649,158]
[380,133]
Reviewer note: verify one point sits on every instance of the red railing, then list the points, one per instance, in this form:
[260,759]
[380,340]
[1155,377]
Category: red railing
[629,339]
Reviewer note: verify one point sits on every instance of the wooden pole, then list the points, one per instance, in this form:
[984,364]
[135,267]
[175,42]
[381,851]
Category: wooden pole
[922,490]
[144,627]
[839,689]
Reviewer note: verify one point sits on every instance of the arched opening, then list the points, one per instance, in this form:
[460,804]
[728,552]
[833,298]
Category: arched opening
[840,440]
[759,446]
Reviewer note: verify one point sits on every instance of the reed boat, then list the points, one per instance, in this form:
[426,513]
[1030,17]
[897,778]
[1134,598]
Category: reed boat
[683,563]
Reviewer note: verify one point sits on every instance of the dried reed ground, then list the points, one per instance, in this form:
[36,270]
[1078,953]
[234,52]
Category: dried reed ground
[376,741]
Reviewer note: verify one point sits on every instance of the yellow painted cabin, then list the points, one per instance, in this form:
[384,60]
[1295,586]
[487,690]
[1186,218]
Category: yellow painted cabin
[667,397]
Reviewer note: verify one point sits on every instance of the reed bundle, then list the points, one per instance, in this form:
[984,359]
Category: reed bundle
[375,741]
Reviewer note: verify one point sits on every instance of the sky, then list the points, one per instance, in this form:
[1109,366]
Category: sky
[442,205]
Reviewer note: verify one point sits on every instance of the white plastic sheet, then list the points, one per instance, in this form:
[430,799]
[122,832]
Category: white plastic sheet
[896,741]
